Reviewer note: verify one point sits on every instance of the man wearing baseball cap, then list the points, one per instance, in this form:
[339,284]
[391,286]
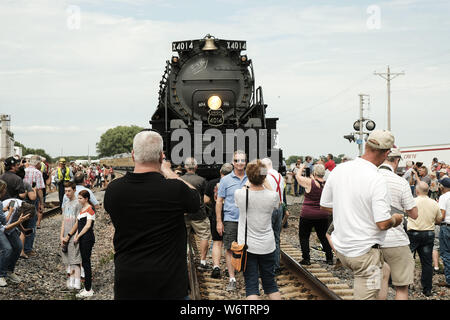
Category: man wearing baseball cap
[395,247]
[357,195]
[15,188]
[62,174]
[444,234]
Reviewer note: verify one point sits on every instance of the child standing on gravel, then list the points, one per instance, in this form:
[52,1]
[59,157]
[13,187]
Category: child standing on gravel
[70,250]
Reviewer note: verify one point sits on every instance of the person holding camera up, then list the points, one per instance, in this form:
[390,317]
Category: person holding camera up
[312,216]
[70,250]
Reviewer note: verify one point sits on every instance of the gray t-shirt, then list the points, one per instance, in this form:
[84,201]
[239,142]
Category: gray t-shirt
[260,237]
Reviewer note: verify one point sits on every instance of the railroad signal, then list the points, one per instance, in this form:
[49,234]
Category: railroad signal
[350,138]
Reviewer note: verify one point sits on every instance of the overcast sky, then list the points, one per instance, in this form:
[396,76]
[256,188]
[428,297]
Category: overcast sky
[69,70]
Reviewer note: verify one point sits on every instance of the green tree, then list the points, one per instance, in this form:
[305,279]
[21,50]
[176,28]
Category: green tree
[117,140]
[293,159]
[40,152]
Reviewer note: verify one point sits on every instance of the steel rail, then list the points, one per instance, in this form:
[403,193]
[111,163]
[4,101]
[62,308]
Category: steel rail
[316,286]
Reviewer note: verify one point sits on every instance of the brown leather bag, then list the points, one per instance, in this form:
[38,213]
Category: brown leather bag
[239,251]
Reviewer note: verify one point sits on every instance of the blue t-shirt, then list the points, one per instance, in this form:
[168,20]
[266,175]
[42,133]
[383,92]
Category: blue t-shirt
[228,185]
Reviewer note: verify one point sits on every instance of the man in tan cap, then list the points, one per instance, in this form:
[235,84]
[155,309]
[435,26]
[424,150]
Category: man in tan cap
[357,196]
[395,248]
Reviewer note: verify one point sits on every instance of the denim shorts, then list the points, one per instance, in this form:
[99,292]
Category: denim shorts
[260,265]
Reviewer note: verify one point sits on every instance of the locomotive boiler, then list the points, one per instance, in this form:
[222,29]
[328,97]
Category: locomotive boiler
[209,107]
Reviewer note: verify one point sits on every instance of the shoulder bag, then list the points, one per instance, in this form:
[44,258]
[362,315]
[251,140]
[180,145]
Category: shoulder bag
[239,251]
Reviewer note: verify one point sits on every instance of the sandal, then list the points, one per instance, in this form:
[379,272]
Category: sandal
[24,257]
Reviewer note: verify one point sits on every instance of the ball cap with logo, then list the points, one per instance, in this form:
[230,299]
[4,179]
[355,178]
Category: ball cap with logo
[381,139]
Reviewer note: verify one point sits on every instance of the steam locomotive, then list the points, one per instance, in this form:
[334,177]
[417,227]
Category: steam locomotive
[207,96]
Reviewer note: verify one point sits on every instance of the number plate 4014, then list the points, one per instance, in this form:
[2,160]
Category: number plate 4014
[182,46]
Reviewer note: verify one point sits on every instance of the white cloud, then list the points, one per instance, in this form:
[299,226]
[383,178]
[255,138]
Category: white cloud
[108,71]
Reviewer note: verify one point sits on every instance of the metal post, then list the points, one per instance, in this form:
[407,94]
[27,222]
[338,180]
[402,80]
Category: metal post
[361,123]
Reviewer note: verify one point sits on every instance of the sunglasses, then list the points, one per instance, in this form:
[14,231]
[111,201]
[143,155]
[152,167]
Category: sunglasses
[239,160]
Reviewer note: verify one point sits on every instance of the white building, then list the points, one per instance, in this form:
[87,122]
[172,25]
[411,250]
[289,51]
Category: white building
[6,137]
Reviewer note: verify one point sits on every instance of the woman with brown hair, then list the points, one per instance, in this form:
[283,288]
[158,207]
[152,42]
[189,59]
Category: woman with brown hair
[256,203]
[85,237]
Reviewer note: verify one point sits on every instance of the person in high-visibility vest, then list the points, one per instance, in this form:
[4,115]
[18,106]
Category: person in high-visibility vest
[62,174]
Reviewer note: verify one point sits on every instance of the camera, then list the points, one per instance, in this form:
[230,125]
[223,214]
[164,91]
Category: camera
[64,247]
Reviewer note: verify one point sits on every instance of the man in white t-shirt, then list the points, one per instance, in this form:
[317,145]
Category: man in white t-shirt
[276,182]
[444,234]
[357,196]
[395,248]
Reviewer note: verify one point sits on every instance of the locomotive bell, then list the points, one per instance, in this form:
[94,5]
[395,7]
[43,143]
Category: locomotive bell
[209,44]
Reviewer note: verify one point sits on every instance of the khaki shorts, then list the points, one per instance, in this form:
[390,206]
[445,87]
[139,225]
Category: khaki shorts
[367,272]
[201,228]
[401,262]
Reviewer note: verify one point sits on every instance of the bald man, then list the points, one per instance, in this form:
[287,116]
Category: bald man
[421,233]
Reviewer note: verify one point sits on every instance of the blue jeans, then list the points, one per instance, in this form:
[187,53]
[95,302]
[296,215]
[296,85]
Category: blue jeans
[413,190]
[296,185]
[444,244]
[277,219]
[29,240]
[10,248]
[260,265]
[422,242]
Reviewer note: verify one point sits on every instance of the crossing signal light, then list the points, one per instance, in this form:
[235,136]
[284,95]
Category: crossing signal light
[350,138]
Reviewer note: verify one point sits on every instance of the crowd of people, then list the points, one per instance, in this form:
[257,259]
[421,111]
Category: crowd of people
[364,213]
[95,176]
[24,184]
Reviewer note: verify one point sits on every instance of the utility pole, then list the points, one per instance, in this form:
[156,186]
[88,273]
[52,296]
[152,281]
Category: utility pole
[388,76]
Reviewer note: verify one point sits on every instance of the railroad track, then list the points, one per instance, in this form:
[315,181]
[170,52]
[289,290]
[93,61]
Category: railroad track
[295,282]
[51,212]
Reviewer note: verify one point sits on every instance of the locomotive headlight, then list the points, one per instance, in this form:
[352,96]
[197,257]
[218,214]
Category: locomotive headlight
[214,102]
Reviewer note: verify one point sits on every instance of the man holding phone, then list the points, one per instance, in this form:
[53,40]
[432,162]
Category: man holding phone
[10,240]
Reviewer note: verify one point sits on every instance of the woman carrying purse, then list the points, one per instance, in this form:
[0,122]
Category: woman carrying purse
[255,217]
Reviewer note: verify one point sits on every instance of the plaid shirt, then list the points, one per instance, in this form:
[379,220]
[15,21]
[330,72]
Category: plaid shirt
[34,175]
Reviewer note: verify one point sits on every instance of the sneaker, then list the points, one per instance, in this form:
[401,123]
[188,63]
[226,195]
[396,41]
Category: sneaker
[231,286]
[32,253]
[305,262]
[3,282]
[215,273]
[13,277]
[69,284]
[85,294]
[427,292]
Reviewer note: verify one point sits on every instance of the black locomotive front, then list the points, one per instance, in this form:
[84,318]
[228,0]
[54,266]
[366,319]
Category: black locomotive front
[210,84]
